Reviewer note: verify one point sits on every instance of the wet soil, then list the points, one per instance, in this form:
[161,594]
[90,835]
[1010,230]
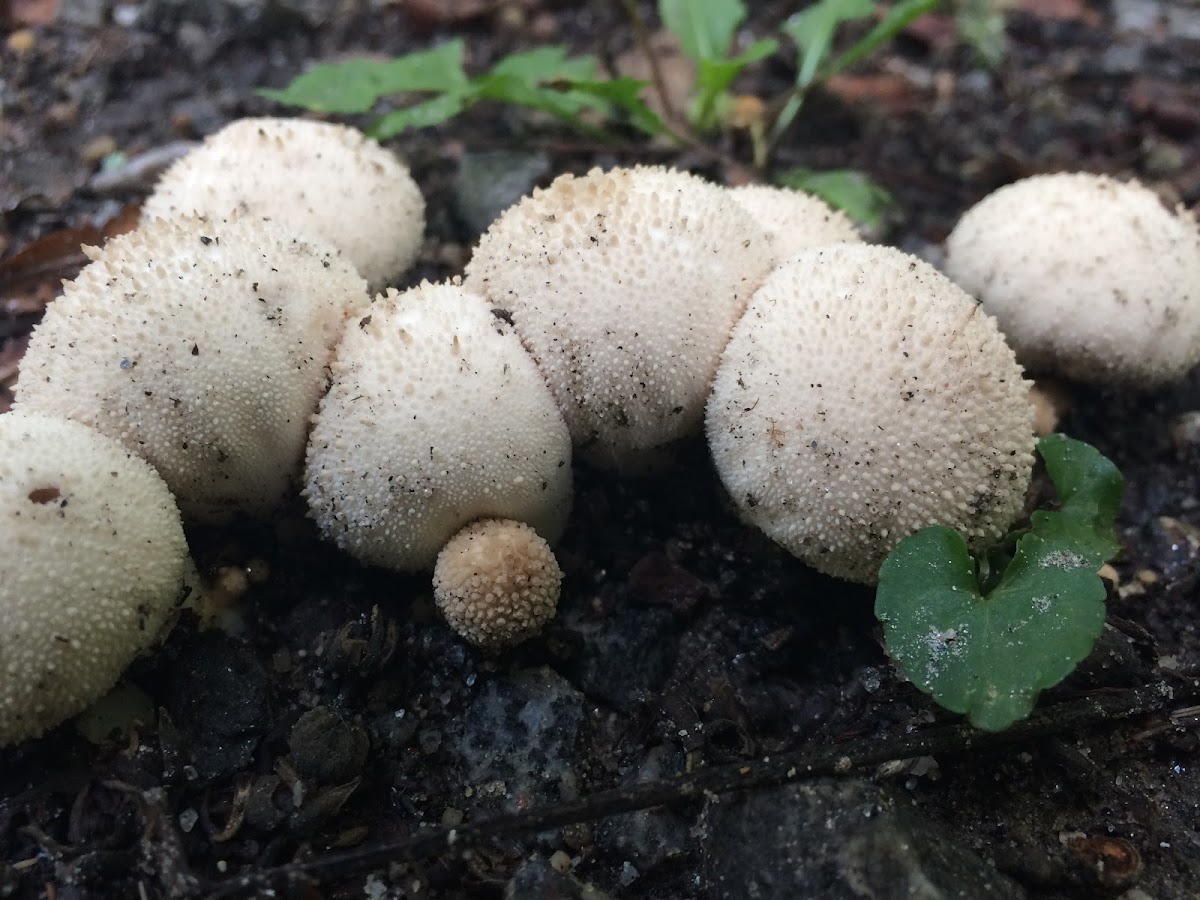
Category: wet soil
[338,712]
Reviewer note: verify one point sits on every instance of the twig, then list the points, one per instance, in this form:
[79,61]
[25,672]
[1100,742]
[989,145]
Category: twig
[1077,715]
[656,73]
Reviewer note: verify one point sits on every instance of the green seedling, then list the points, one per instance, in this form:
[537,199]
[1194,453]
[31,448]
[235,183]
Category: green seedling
[985,637]
[429,87]
[813,29]
[438,88]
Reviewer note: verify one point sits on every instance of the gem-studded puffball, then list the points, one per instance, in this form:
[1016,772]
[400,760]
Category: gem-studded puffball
[1088,277]
[324,181]
[793,220]
[624,286]
[92,568]
[201,345]
[497,583]
[862,397]
[436,417]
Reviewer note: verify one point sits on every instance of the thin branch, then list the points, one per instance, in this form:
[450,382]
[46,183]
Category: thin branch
[660,83]
[1096,709]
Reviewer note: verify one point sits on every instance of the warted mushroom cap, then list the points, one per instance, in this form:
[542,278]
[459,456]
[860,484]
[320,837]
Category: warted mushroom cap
[623,285]
[323,180]
[436,417]
[201,345]
[497,582]
[92,569]
[1088,277]
[793,220]
[862,397]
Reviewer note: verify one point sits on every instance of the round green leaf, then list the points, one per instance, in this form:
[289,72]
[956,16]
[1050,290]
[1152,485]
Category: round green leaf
[987,656]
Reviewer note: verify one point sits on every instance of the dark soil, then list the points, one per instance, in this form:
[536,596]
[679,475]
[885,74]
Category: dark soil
[338,712]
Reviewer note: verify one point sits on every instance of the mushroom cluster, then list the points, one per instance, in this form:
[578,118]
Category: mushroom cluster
[851,394]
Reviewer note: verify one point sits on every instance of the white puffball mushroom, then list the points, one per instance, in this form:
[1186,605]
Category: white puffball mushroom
[794,220]
[92,568]
[323,180]
[1089,277]
[436,416]
[624,285]
[497,583]
[202,346]
[862,397]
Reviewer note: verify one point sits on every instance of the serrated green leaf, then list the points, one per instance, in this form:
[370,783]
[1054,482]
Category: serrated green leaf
[813,29]
[705,28]
[987,656]
[355,85]
[425,114]
[1089,489]
[897,18]
[852,192]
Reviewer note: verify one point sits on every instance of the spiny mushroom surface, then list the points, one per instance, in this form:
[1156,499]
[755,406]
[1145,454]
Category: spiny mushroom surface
[862,397]
[325,181]
[793,220]
[624,285]
[201,345]
[92,569]
[1088,277]
[436,416]
[497,582]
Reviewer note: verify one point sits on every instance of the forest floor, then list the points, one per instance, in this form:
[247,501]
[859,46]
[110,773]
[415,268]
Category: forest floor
[342,714]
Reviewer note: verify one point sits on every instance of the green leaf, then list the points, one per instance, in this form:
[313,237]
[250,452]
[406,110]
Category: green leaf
[896,20]
[545,64]
[713,78]
[852,192]
[425,114]
[624,93]
[1089,489]
[987,656]
[981,24]
[355,85]
[705,28]
[813,29]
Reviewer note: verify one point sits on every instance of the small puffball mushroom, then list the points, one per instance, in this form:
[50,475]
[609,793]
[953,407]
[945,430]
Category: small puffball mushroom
[1088,277]
[323,180]
[624,285]
[793,220]
[497,583]
[92,568]
[201,345]
[436,416]
[862,397]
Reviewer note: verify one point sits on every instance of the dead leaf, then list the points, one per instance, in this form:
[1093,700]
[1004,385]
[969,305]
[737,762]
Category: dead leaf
[1061,11]
[677,71]
[28,12]
[30,278]
[896,95]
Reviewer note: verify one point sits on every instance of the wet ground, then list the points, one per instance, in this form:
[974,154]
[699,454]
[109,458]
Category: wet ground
[341,713]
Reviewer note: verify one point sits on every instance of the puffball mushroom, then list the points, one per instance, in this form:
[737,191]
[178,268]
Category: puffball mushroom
[624,285]
[325,181]
[201,345]
[497,582]
[1088,277]
[793,220]
[92,569]
[435,417]
[862,397]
